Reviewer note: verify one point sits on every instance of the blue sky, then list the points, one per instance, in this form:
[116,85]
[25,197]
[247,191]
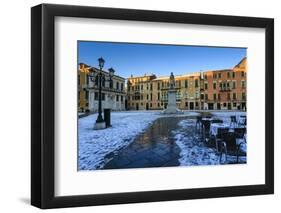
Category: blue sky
[138,59]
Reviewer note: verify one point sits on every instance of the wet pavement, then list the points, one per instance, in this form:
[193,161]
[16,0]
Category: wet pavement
[153,148]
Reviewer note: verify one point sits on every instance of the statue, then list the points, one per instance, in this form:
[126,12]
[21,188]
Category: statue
[172,101]
[172,81]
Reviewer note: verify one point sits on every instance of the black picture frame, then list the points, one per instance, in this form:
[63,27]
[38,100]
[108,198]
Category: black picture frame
[43,105]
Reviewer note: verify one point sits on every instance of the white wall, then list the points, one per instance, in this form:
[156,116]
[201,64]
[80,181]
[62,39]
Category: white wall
[15,105]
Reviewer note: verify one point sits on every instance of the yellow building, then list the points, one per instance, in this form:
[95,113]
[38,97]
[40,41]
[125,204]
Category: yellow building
[83,92]
[150,92]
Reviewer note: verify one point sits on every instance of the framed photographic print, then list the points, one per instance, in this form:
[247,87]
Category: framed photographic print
[139,106]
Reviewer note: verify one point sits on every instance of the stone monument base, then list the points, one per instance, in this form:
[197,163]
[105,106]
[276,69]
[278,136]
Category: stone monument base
[172,111]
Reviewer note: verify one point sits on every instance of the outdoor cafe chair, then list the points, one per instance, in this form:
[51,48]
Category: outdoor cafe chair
[233,121]
[240,132]
[219,137]
[229,146]
[199,122]
[206,129]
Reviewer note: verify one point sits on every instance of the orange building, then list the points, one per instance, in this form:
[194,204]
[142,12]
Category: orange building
[225,89]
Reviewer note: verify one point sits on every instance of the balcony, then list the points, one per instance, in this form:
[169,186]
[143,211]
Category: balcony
[226,89]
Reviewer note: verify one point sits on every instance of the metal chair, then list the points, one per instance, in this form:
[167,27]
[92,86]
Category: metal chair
[233,120]
[230,146]
[199,122]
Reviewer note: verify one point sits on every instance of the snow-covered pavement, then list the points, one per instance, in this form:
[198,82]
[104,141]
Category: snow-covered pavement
[94,145]
[193,150]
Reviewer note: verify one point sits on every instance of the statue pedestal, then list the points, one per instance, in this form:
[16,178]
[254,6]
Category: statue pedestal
[172,103]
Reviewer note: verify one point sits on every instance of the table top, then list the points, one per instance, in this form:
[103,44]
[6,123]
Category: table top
[215,126]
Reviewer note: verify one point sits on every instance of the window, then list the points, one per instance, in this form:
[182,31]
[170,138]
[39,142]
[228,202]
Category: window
[111,84]
[103,81]
[215,75]
[96,96]
[206,97]
[228,96]
[234,96]
[205,77]
[102,96]
[151,96]
[141,87]
[122,86]
[141,97]
[234,104]
[224,85]
[243,84]
[219,96]
[86,94]
[202,96]
[206,85]
[214,85]
[196,83]
[233,75]
[87,79]
[158,96]
[224,104]
[227,85]
[219,75]
[147,97]
[117,97]
[186,104]
[151,87]
[215,96]
[186,84]
[78,79]
[228,74]
[117,85]
[158,104]
[150,104]
[243,96]
[221,85]
[97,80]
[233,85]
[179,83]
[158,85]
[242,74]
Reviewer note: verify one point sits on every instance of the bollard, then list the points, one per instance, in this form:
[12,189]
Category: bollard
[107,117]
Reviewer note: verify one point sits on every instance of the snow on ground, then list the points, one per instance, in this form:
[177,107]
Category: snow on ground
[94,145]
[193,149]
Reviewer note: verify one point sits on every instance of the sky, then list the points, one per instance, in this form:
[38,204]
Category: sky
[138,59]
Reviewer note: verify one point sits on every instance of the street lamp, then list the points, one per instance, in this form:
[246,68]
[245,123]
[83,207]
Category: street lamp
[100,124]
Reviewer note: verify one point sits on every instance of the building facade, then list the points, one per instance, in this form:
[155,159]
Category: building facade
[210,90]
[113,93]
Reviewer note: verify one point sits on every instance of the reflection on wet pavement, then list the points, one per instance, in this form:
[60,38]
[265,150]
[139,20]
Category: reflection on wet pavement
[153,148]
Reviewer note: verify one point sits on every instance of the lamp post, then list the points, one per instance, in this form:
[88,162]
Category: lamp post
[100,124]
